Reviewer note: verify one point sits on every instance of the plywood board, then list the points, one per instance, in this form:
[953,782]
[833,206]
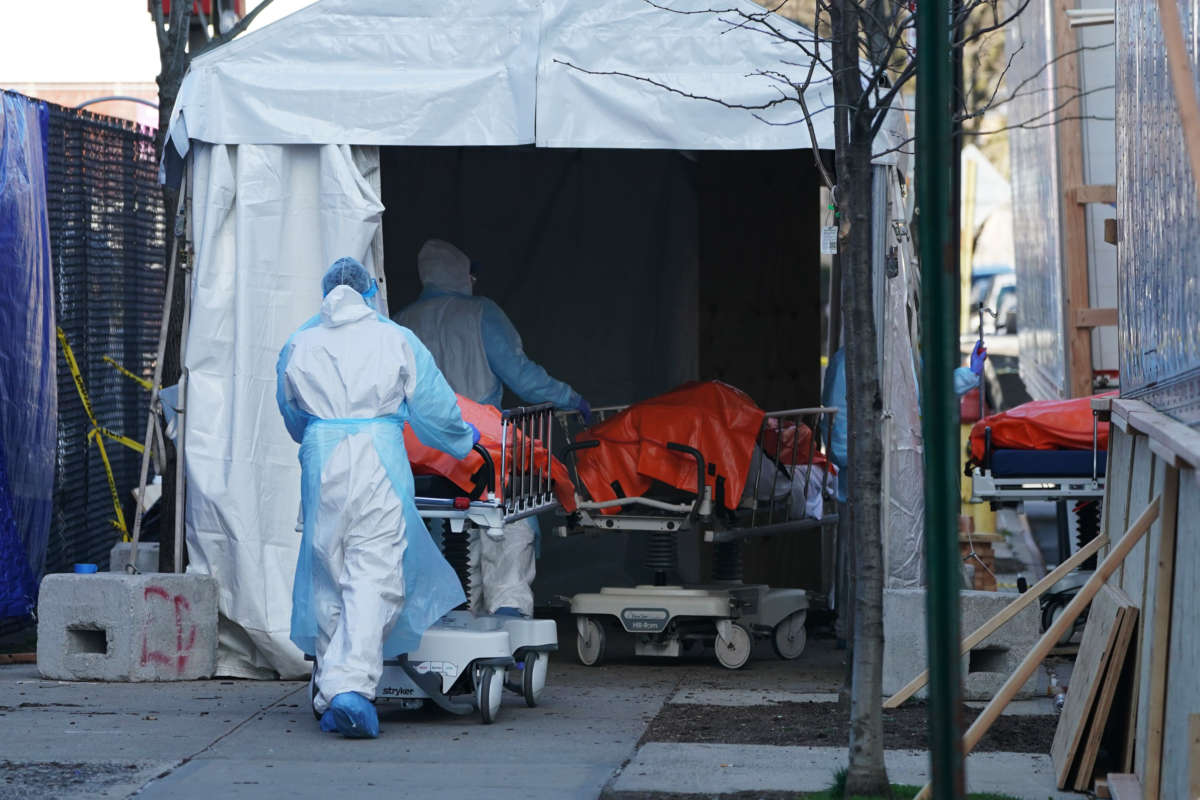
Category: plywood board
[1180,762]
[1119,663]
[1099,637]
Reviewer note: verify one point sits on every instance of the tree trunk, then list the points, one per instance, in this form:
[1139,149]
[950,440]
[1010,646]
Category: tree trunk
[169,80]
[866,774]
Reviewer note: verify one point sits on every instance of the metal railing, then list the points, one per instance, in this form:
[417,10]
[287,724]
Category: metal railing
[526,482]
[781,453]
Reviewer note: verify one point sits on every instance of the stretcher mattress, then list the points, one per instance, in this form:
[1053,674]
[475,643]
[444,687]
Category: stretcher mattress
[722,422]
[1041,425]
[1046,463]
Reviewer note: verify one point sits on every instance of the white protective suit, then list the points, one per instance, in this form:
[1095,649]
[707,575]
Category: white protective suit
[369,578]
[480,352]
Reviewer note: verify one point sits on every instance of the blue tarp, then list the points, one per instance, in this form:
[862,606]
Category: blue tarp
[28,394]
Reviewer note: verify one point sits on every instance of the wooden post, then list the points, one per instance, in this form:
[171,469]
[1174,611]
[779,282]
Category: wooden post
[1050,638]
[1005,614]
[1074,214]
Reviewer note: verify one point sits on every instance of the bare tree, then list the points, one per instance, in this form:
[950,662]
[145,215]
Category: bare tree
[184,31]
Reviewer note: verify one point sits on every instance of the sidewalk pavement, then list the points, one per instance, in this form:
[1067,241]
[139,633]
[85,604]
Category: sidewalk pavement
[247,739]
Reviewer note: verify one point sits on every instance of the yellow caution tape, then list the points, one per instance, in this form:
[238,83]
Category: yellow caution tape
[145,383]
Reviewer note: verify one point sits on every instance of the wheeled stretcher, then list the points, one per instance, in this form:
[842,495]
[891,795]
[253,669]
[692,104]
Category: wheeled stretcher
[1010,476]
[462,661]
[789,488]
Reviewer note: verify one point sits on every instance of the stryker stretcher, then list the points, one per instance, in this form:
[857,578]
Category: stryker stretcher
[789,487]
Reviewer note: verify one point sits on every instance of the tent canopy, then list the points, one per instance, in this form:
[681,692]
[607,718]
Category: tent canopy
[553,73]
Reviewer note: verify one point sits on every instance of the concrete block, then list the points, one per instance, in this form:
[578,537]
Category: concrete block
[985,668]
[117,627]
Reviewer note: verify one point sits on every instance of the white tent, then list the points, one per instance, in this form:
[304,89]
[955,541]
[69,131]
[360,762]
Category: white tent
[283,131]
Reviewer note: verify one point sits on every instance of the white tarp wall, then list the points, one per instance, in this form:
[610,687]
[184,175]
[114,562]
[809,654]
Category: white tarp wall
[267,222]
[897,284]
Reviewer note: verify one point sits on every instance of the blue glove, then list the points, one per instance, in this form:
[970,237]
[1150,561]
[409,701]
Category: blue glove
[585,411]
[474,433]
[978,356]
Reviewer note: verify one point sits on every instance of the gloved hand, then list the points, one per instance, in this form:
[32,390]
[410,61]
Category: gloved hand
[474,433]
[978,356]
[585,411]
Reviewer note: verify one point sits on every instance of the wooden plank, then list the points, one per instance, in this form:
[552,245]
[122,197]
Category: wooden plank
[1179,439]
[1104,623]
[1148,588]
[1002,616]
[1193,756]
[1095,317]
[1114,511]
[1100,789]
[1141,487]
[1110,681]
[1156,643]
[1184,82]
[1110,230]
[1165,453]
[18,658]
[1074,216]
[1179,759]
[1124,786]
[1054,633]
[1094,193]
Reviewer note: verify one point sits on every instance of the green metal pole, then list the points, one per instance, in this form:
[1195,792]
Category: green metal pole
[939,338]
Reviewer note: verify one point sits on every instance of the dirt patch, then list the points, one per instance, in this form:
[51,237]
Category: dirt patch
[823,725]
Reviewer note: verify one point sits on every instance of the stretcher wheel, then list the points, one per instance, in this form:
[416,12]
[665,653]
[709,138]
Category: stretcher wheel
[789,636]
[1050,614]
[734,653]
[489,686]
[589,641]
[533,676]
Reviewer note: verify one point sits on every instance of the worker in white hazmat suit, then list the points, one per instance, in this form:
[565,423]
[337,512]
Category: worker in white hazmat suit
[480,352]
[369,578]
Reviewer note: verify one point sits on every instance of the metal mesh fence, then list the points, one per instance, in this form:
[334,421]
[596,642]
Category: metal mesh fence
[107,239]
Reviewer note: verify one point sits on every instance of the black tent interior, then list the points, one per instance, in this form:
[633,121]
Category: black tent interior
[628,272]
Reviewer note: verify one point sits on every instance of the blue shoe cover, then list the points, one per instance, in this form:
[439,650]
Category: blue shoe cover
[327,723]
[508,611]
[355,716]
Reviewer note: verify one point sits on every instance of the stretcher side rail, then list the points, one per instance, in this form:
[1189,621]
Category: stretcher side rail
[526,489]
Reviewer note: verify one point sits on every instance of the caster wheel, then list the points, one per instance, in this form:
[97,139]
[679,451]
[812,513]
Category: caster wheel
[734,653]
[533,677]
[589,642]
[1052,612]
[489,686]
[789,636]
[312,692]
